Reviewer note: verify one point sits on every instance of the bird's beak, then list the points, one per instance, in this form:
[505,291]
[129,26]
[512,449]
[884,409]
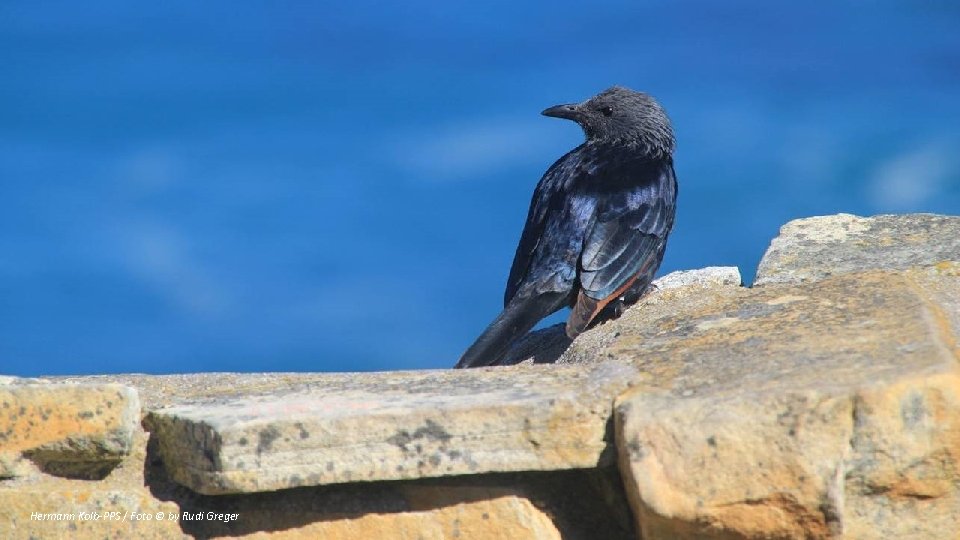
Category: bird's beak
[570,111]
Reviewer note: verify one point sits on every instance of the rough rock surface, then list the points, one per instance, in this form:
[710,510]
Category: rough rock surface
[788,413]
[813,248]
[77,430]
[390,426]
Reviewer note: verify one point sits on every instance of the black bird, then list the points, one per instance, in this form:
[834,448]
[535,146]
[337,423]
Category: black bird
[597,226]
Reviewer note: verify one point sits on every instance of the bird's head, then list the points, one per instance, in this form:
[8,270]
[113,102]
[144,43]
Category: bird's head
[620,115]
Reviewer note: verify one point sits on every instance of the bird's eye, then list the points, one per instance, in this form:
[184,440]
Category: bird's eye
[607,111]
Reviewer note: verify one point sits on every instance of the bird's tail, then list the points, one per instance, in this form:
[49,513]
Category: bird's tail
[520,315]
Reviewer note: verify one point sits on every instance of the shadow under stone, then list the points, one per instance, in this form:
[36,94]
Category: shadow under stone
[583,504]
[56,463]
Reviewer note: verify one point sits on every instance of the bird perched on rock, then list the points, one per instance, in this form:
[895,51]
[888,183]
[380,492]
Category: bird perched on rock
[597,226]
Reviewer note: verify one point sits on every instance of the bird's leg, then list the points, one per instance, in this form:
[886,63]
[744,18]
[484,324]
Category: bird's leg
[616,308]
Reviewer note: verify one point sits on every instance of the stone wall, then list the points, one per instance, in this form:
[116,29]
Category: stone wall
[823,402]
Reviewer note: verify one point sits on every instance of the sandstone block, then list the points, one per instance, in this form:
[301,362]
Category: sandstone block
[389,426]
[65,429]
[88,513]
[813,248]
[802,411]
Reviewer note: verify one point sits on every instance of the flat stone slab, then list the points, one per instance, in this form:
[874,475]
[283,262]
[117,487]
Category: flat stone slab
[353,427]
[814,248]
[65,429]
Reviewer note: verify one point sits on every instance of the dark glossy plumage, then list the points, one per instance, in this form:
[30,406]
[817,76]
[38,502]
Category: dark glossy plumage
[598,222]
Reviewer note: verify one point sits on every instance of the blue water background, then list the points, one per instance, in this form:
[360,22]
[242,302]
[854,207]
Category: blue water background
[280,186]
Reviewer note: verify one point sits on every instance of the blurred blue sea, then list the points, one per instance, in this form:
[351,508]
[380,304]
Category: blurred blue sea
[269,186]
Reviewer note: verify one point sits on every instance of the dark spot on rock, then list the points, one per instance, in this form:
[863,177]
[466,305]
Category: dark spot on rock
[712,441]
[109,404]
[433,431]
[304,434]
[243,441]
[454,454]
[295,480]
[912,410]
[485,515]
[23,411]
[831,514]
[267,436]
[636,450]
[330,466]
[85,415]
[434,460]
[401,439]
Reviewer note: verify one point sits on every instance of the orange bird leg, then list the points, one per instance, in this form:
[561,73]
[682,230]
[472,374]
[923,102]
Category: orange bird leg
[586,308]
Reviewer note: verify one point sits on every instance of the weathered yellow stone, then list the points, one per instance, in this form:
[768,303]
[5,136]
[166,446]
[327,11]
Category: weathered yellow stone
[903,471]
[393,426]
[507,518]
[84,513]
[64,428]
[30,505]
[794,411]
[813,248]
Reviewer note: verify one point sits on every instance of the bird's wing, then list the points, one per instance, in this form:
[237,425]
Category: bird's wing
[626,240]
[548,199]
